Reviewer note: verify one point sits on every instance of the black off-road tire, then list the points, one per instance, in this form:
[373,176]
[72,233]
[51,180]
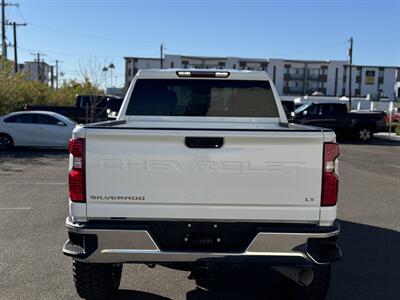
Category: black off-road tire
[96,281]
[6,141]
[318,289]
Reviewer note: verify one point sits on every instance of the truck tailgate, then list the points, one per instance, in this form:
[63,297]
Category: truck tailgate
[254,175]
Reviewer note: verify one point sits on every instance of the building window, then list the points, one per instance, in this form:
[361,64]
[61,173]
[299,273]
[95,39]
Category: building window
[172,64]
[357,92]
[185,64]
[370,77]
[135,70]
[221,65]
[129,72]
[287,69]
[234,66]
[343,92]
[264,66]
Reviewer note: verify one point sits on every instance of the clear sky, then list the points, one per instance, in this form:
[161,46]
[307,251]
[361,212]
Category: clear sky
[76,31]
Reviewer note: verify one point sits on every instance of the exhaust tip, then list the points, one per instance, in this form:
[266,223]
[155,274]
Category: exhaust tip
[302,276]
[305,277]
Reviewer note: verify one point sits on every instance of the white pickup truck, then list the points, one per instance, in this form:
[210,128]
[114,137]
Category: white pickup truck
[201,168]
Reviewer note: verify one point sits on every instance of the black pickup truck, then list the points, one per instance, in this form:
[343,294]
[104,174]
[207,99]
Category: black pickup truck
[335,116]
[105,105]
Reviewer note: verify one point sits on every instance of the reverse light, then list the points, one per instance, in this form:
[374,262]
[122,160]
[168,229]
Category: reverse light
[76,176]
[221,74]
[330,180]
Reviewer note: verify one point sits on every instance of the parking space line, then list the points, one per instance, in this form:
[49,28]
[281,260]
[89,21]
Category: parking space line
[35,183]
[15,208]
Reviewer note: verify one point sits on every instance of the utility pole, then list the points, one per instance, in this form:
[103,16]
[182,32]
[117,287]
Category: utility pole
[38,54]
[14,25]
[38,65]
[3,27]
[15,48]
[162,56]
[57,74]
[57,71]
[351,67]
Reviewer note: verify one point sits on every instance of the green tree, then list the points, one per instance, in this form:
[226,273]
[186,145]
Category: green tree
[16,90]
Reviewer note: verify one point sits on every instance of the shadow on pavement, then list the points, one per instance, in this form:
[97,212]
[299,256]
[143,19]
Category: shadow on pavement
[137,295]
[370,265]
[250,282]
[32,153]
[369,270]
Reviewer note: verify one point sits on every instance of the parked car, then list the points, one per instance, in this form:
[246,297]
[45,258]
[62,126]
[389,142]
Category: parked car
[35,129]
[113,106]
[104,105]
[201,167]
[395,117]
[289,107]
[361,125]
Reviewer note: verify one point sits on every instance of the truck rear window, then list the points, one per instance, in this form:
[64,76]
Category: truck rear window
[202,97]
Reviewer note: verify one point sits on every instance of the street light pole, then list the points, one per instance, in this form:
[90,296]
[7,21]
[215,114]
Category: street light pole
[351,67]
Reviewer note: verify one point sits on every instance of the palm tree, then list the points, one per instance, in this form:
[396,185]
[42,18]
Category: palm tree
[105,70]
[111,66]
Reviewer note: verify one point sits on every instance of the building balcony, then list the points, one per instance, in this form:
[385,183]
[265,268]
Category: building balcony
[288,76]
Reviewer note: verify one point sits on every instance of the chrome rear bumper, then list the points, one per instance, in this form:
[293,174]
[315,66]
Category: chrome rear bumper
[109,245]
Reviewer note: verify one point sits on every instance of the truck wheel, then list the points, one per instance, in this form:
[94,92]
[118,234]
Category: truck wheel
[6,141]
[96,281]
[318,288]
[365,135]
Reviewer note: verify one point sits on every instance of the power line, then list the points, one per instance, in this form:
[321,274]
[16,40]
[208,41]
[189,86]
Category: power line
[92,36]
[70,54]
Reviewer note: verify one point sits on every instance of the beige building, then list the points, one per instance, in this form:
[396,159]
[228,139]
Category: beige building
[291,77]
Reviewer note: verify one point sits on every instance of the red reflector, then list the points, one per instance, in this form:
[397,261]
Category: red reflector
[330,189]
[330,181]
[77,147]
[76,180]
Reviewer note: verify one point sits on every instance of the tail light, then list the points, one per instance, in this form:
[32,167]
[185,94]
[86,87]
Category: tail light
[76,177]
[330,180]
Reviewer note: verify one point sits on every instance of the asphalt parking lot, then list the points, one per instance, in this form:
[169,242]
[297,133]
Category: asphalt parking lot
[33,207]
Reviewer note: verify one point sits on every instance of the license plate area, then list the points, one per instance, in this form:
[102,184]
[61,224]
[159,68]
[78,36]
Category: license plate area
[203,236]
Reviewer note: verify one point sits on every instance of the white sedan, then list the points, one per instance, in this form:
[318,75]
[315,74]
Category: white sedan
[35,129]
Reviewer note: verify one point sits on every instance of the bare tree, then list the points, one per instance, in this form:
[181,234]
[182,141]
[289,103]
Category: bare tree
[91,70]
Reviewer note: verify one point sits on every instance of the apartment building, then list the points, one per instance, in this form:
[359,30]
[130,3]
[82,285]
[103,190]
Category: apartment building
[291,77]
[38,71]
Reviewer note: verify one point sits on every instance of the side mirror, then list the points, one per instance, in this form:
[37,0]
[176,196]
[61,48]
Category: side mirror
[59,123]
